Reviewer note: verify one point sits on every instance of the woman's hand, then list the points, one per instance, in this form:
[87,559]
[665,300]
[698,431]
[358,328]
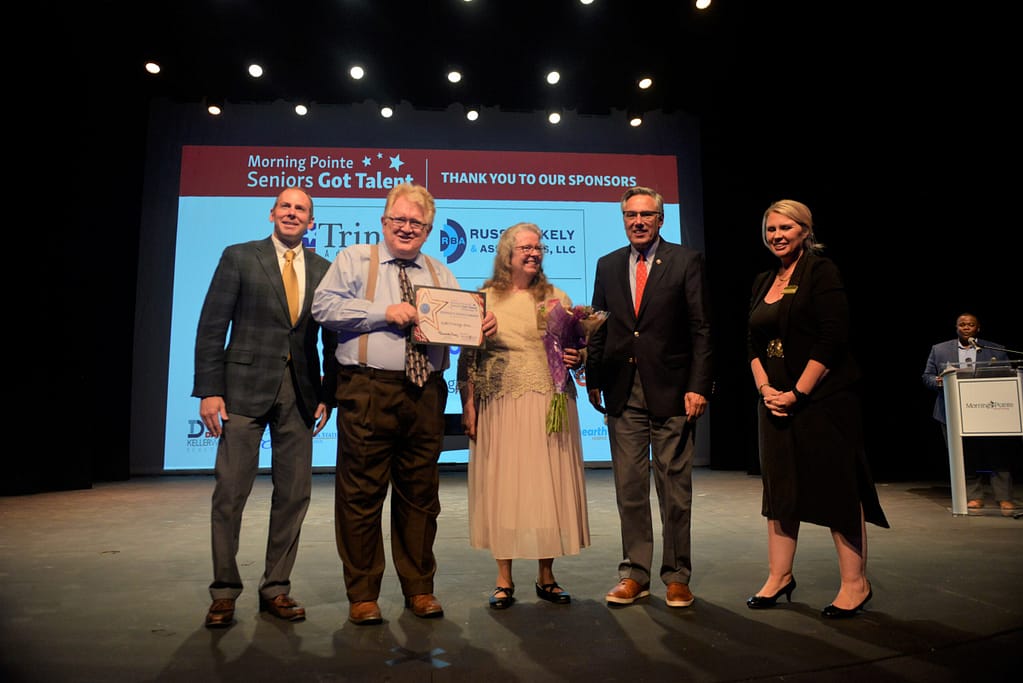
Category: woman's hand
[572,358]
[780,403]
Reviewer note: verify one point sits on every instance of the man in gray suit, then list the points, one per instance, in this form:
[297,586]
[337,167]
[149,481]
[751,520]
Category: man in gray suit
[652,361]
[267,374]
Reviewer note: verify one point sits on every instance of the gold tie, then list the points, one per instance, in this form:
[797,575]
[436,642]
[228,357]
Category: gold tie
[291,285]
[416,361]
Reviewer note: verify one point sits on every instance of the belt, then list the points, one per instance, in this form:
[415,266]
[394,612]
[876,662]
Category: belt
[383,375]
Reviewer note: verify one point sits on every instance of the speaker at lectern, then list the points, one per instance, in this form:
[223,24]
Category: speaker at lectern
[981,399]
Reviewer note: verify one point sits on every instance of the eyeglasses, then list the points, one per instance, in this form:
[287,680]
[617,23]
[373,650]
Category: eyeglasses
[645,215]
[414,225]
[530,249]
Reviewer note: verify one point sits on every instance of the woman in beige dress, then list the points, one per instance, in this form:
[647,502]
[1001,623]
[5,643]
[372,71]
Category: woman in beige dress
[527,492]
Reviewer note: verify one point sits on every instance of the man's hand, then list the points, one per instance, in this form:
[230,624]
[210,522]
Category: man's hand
[696,404]
[322,415]
[213,413]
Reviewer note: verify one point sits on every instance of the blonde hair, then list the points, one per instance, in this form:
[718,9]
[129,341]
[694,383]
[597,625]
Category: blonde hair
[418,195]
[798,212]
[501,279]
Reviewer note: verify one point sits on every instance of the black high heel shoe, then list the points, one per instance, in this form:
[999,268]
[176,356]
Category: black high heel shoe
[763,601]
[832,612]
[502,603]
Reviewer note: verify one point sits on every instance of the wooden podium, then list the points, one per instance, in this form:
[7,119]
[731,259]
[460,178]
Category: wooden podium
[981,399]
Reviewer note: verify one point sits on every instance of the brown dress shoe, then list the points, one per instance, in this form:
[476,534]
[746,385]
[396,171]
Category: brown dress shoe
[627,591]
[424,606]
[283,607]
[678,595]
[364,613]
[975,504]
[221,614]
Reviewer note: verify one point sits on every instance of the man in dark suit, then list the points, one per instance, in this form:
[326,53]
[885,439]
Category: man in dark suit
[652,362]
[267,374]
[963,351]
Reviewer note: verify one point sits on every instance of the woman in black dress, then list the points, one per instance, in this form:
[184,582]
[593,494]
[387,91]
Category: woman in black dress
[812,458]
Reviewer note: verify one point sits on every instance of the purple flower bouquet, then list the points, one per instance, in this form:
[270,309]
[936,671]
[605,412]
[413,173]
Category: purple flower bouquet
[564,329]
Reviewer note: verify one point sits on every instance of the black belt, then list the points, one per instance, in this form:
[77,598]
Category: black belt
[384,375]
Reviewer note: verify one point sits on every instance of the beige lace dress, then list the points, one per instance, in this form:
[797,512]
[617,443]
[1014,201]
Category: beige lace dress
[527,491]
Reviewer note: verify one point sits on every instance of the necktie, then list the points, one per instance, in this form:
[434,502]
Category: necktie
[291,285]
[640,280]
[416,367]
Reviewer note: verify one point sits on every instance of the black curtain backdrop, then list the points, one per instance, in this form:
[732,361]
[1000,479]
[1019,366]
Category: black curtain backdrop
[904,176]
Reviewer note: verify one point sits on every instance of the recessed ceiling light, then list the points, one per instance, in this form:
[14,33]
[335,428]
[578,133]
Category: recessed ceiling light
[386,112]
[301,109]
[152,67]
[255,70]
[357,72]
[553,77]
[645,82]
[454,76]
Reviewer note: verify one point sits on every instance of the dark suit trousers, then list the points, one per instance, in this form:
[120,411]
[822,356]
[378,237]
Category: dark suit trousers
[635,434]
[389,432]
[291,441]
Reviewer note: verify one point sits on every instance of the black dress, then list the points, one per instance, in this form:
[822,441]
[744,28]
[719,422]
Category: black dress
[813,462]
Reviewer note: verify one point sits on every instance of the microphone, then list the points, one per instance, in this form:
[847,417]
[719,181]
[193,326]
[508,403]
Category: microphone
[973,342]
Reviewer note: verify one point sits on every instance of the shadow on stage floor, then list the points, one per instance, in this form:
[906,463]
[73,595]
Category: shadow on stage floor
[109,584]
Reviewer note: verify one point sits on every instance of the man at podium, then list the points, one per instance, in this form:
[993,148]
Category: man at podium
[966,351]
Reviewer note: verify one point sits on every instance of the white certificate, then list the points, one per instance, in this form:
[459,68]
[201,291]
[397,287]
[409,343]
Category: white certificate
[452,317]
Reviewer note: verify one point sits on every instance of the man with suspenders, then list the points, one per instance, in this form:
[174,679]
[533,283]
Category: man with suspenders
[391,399]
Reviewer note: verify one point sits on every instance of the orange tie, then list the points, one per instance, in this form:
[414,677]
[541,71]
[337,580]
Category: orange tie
[640,280]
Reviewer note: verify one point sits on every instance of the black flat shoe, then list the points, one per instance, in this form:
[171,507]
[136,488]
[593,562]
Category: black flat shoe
[832,612]
[763,601]
[502,603]
[547,592]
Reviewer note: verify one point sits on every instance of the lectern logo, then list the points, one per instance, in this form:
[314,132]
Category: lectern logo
[991,405]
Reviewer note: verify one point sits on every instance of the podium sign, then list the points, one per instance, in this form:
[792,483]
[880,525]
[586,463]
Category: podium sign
[980,400]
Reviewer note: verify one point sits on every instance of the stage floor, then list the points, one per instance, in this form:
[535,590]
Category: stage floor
[110,584]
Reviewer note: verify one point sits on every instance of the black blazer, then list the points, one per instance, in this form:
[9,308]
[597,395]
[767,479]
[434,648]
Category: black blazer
[247,297]
[814,322]
[668,342]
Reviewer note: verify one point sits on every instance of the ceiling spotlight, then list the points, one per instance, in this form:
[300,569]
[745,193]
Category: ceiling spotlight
[636,121]
[553,77]
[454,76]
[472,114]
[301,109]
[554,117]
[255,70]
[214,109]
[645,82]
[702,4]
[586,2]
[386,112]
[152,67]
[357,72]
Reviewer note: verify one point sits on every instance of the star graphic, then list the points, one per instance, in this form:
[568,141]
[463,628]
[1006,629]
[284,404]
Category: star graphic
[428,309]
[396,162]
[380,155]
[366,161]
